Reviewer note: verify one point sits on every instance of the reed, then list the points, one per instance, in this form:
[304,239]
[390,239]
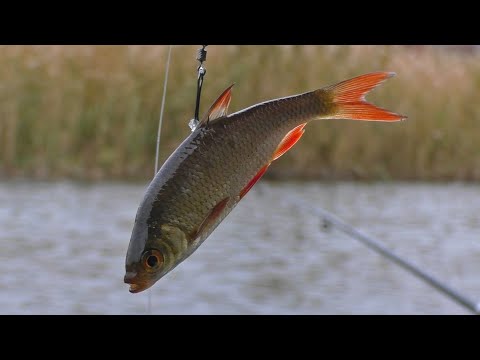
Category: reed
[90,112]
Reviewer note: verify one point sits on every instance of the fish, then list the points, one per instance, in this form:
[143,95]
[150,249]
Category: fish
[214,168]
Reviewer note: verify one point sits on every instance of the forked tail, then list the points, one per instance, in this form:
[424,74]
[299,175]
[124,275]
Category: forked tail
[349,102]
[345,100]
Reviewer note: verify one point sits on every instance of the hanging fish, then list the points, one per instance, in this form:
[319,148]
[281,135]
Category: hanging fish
[220,161]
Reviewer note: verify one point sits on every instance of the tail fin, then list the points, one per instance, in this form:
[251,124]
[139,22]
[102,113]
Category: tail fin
[349,99]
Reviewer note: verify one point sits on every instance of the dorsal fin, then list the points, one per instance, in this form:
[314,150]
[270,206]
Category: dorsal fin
[220,107]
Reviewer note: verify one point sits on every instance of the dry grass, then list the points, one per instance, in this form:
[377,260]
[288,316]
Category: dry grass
[91,111]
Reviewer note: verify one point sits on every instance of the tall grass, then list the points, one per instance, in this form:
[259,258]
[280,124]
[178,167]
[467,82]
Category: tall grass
[91,111]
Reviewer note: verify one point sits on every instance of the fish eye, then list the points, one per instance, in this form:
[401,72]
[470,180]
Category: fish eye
[152,259]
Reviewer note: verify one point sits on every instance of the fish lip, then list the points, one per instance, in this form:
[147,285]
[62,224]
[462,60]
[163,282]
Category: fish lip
[136,284]
[138,287]
[134,288]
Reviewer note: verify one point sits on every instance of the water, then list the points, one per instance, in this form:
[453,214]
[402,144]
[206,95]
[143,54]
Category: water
[63,245]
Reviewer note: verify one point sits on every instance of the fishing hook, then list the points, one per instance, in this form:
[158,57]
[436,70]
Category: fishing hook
[201,57]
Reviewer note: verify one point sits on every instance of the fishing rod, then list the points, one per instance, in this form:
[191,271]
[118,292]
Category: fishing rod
[332,220]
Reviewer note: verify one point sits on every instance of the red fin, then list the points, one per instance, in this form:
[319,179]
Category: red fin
[211,217]
[252,182]
[349,97]
[220,106]
[289,140]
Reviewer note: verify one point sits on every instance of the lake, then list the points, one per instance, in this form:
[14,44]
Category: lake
[63,246]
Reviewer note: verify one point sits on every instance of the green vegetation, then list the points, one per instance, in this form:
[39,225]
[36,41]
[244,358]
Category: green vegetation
[91,112]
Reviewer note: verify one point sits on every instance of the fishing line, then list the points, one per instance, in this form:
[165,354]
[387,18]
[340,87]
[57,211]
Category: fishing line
[160,120]
[330,219]
[201,57]
[167,67]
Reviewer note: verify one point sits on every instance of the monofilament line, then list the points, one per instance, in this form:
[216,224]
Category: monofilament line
[167,67]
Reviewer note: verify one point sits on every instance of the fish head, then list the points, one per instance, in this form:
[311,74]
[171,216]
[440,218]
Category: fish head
[143,274]
[153,251]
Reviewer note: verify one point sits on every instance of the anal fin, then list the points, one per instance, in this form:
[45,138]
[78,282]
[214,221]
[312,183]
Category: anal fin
[286,144]
[289,140]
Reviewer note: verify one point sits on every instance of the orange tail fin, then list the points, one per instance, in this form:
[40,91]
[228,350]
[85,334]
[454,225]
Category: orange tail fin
[349,99]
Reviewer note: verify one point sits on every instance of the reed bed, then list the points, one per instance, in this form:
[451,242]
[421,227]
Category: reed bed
[91,112]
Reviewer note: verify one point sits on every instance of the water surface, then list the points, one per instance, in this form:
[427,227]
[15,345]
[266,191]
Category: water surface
[63,246]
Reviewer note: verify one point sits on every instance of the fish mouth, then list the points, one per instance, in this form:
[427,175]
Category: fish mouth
[136,284]
[135,288]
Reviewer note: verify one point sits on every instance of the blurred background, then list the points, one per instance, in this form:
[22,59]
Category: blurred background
[78,129]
